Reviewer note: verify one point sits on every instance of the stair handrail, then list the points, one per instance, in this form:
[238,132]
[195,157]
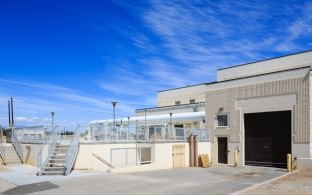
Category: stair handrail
[17,145]
[52,138]
[72,151]
[2,150]
[53,145]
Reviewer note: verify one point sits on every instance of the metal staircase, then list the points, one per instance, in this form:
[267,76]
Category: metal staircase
[17,147]
[55,163]
[61,157]
[11,153]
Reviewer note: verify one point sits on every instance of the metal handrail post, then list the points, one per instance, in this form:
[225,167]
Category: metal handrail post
[50,138]
[2,150]
[72,151]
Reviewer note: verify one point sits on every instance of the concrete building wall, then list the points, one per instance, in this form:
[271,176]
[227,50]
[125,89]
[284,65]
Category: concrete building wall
[283,63]
[286,94]
[169,97]
[161,156]
[31,153]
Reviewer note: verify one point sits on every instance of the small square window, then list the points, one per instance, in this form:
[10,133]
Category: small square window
[192,101]
[222,120]
[177,103]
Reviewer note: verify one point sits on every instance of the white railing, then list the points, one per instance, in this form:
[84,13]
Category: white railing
[72,151]
[32,134]
[49,143]
[132,134]
[17,146]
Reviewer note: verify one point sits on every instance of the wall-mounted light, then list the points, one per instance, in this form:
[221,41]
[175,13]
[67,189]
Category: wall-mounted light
[221,109]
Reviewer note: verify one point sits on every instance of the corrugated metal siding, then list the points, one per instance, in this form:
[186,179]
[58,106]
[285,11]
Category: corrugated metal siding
[226,98]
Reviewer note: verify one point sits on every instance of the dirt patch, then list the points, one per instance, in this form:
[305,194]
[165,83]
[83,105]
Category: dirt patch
[299,182]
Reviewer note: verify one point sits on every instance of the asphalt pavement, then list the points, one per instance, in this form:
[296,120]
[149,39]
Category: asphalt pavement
[218,179]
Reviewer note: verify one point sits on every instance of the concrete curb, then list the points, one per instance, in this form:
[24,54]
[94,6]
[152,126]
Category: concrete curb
[263,183]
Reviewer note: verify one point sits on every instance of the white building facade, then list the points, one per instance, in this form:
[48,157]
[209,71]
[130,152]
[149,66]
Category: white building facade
[260,110]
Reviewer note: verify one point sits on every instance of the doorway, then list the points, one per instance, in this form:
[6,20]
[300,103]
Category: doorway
[222,150]
[267,138]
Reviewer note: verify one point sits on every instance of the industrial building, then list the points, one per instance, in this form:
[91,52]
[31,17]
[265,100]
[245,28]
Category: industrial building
[258,112]
[260,109]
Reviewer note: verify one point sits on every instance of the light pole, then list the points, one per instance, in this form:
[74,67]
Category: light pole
[128,128]
[114,107]
[171,123]
[52,115]
[170,119]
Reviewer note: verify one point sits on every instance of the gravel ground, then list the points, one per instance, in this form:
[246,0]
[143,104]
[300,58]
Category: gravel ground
[299,183]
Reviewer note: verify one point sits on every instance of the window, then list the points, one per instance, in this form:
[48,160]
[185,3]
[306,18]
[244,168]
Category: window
[192,101]
[177,103]
[222,120]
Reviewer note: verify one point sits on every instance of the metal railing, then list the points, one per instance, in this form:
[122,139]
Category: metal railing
[2,150]
[17,146]
[72,151]
[32,134]
[124,157]
[150,134]
[49,143]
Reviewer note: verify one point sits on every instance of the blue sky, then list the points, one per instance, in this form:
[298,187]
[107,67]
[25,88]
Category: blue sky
[75,57]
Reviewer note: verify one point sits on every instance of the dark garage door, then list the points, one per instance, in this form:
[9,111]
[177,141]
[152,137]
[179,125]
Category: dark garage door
[267,138]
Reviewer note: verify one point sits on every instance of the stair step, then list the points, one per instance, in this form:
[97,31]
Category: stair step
[56,160]
[57,157]
[59,152]
[62,147]
[52,172]
[53,163]
[54,168]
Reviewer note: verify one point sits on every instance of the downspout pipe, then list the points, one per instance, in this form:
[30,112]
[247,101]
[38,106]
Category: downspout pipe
[191,146]
[195,151]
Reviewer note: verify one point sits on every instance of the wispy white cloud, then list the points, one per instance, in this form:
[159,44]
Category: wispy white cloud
[176,43]
[300,28]
[185,42]
[70,105]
